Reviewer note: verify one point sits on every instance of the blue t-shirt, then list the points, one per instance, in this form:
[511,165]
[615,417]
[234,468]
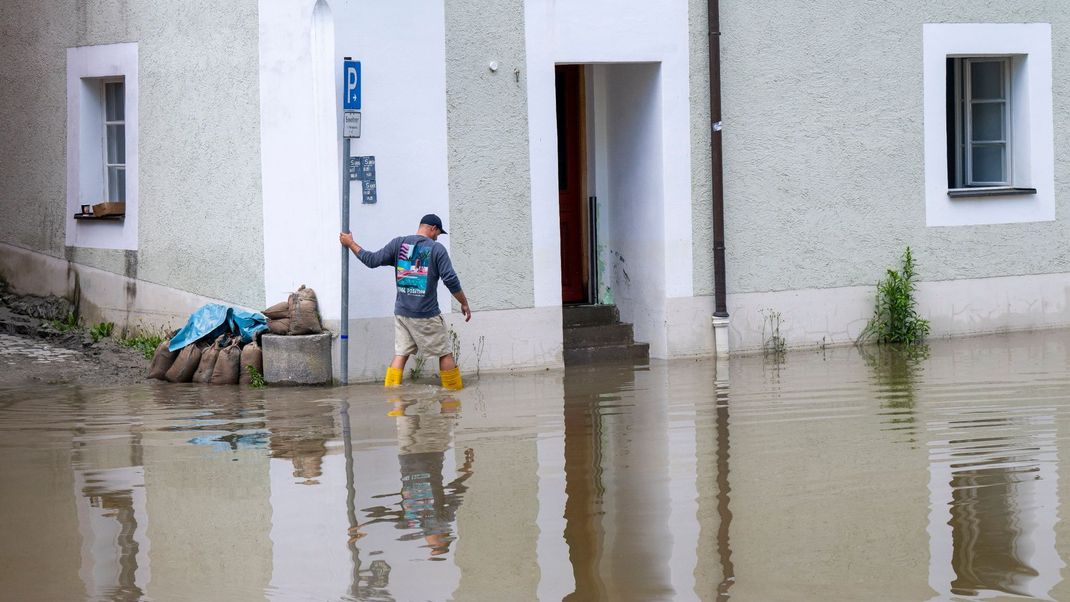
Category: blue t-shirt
[419,263]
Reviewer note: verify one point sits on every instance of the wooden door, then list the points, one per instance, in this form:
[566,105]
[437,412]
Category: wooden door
[570,172]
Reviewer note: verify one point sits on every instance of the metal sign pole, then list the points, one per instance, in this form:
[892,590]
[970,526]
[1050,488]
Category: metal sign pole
[351,81]
[344,336]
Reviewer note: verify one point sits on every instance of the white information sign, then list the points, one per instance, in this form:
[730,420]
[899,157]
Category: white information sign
[351,124]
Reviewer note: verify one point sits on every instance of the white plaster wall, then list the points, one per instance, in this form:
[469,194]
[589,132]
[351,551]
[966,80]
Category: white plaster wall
[490,198]
[687,326]
[654,33]
[401,49]
[824,146]
[636,267]
[301,199]
[401,46]
[837,316]
[510,339]
[102,296]
[626,32]
[701,153]
[194,148]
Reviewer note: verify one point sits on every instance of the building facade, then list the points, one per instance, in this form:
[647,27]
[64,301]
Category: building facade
[567,147]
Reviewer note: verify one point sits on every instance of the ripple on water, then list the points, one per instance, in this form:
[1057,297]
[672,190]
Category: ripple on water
[841,475]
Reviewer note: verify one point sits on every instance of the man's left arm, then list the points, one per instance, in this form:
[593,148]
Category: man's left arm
[449,277]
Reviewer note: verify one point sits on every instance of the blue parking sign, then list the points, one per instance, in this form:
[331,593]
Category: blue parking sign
[351,85]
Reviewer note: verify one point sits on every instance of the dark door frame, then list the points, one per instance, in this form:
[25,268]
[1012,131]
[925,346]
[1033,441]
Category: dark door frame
[572,184]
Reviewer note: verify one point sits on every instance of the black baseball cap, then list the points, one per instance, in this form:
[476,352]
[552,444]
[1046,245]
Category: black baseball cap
[432,220]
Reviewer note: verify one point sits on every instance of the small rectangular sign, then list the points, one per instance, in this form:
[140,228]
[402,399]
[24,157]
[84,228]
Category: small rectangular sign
[351,124]
[363,169]
[351,85]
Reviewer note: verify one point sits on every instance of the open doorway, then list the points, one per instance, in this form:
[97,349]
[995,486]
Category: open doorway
[576,273]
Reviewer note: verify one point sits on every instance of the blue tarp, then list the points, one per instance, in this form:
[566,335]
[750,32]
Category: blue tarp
[213,320]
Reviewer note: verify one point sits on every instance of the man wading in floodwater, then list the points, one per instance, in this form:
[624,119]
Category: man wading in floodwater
[419,262]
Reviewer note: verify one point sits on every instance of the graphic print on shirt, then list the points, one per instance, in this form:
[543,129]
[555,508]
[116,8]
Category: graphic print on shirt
[412,267]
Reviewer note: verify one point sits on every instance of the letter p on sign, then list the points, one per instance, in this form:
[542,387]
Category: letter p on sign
[351,87]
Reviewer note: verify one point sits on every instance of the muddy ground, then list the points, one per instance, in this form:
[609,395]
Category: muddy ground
[33,349]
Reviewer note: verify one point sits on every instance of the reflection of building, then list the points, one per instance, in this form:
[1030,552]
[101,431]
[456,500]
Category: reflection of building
[299,433]
[113,520]
[122,501]
[994,488]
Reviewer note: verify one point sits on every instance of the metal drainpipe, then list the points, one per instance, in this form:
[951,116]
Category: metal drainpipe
[720,314]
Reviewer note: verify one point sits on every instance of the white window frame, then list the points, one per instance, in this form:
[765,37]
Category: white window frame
[1029,197]
[104,119]
[964,103]
[87,68]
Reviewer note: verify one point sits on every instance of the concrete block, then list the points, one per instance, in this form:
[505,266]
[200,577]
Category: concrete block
[297,360]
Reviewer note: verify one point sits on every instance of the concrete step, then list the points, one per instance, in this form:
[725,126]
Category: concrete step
[596,336]
[607,353]
[589,315]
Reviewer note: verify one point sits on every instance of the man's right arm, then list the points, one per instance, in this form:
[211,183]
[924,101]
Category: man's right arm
[372,259]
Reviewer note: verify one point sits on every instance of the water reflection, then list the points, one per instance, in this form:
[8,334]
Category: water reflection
[618,482]
[300,433]
[109,494]
[724,486]
[426,506]
[897,370]
[584,487]
[994,484]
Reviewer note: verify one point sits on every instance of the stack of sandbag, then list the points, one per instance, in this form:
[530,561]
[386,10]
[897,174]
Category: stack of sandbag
[297,315]
[224,361]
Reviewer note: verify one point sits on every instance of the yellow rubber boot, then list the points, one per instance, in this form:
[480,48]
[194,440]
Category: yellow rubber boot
[393,377]
[451,379]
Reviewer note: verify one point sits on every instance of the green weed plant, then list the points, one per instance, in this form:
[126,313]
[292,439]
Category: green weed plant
[145,342]
[895,317]
[417,369]
[256,380]
[67,324]
[101,331]
[773,343]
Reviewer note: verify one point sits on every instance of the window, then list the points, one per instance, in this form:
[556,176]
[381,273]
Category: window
[114,141]
[102,145]
[988,123]
[979,122]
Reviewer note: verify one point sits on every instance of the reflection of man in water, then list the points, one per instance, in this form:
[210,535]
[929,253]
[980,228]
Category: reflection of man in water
[424,431]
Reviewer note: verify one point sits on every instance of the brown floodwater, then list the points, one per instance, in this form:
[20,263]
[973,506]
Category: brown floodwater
[825,475]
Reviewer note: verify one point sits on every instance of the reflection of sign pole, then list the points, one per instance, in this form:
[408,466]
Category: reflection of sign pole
[350,106]
[351,496]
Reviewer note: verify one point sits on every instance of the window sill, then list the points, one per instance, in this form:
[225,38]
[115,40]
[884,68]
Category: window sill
[990,191]
[99,218]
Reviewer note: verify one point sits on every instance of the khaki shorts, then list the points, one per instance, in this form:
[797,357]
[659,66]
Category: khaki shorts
[426,334]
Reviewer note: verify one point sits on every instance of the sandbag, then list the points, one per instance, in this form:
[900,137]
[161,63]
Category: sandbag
[281,326]
[185,365]
[250,356]
[279,310]
[161,361]
[207,364]
[304,312]
[227,364]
